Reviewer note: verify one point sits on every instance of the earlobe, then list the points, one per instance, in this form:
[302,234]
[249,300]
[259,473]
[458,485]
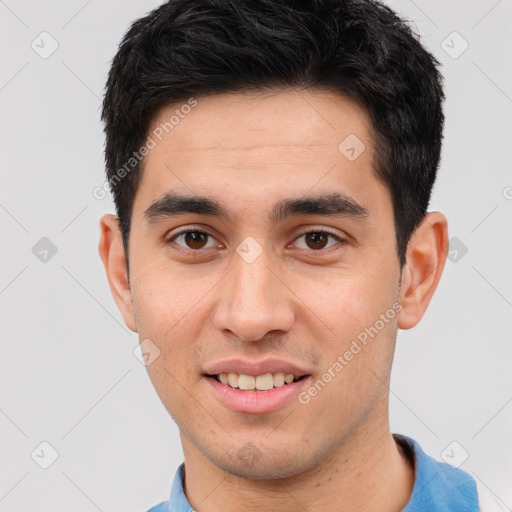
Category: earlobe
[425,260]
[112,254]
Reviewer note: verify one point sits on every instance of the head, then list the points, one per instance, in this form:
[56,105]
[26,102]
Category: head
[254,124]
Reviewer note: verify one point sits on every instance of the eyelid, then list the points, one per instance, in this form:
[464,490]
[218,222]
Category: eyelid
[315,229]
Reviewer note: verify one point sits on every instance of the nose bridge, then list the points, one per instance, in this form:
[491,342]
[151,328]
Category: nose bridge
[253,283]
[253,300]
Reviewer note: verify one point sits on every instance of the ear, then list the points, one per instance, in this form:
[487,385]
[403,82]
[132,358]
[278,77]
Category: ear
[425,259]
[112,254]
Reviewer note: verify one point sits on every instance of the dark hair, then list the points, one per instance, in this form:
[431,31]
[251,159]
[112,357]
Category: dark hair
[359,48]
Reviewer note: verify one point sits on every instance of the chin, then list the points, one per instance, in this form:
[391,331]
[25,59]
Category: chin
[253,463]
[261,471]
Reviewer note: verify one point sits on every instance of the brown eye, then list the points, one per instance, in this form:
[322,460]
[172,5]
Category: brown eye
[195,239]
[191,239]
[317,240]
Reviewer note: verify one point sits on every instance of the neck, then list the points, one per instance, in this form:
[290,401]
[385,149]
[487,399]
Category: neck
[366,473]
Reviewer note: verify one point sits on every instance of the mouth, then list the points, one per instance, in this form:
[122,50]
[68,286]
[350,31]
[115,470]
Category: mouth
[256,394]
[263,382]
[256,386]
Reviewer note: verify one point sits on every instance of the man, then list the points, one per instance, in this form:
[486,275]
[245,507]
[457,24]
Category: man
[272,164]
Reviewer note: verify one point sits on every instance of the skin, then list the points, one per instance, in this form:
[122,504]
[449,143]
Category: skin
[298,301]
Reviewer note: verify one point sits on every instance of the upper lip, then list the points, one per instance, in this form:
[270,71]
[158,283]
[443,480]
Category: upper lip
[260,367]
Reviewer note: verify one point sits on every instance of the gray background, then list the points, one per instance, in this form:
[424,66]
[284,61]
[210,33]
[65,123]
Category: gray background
[69,375]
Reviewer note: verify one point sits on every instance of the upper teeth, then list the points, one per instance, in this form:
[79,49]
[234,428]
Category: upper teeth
[260,382]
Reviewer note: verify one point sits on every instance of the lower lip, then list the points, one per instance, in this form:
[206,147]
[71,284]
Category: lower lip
[256,402]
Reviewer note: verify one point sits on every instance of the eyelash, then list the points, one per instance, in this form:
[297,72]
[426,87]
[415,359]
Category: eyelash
[316,231]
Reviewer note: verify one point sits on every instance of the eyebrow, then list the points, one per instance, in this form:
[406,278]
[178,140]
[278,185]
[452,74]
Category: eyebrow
[334,204]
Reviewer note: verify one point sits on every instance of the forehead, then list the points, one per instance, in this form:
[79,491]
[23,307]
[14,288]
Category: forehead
[255,145]
[248,120]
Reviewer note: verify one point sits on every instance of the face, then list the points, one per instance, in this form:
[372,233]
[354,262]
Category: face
[291,268]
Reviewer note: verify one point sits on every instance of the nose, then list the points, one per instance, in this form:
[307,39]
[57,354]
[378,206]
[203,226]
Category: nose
[254,300]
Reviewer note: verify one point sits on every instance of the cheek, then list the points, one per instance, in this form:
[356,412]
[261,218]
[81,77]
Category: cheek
[164,296]
[348,302]
[163,313]
[167,311]
[357,344]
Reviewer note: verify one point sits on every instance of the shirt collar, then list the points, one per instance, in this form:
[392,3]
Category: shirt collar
[438,487]
[178,501]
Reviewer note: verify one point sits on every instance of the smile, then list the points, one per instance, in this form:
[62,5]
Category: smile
[259,382]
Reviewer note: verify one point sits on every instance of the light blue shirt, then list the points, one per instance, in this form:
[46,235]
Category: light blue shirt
[438,487]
